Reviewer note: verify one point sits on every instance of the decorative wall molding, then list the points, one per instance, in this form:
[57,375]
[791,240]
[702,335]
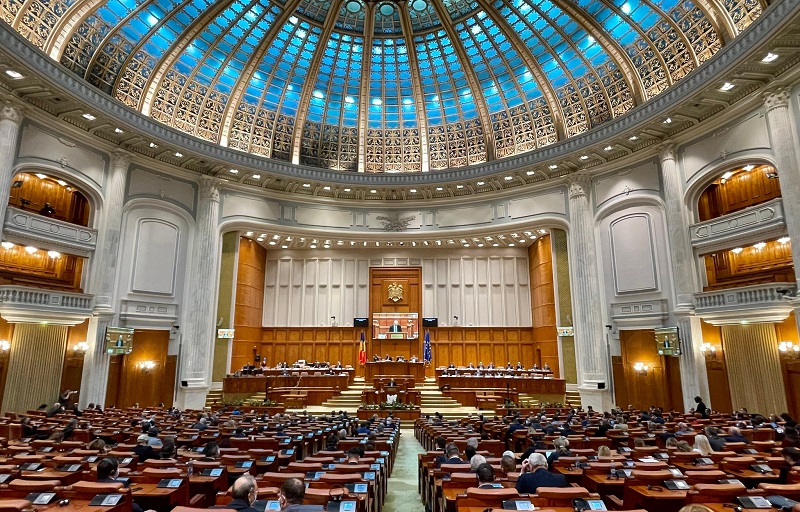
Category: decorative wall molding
[756,222]
[30,227]
[644,314]
[770,302]
[148,315]
[21,304]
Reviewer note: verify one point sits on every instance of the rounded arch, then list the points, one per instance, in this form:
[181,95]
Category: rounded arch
[622,203]
[88,190]
[698,184]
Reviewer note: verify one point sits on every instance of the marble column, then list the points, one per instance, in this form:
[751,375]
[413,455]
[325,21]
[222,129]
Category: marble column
[784,143]
[694,380]
[591,350]
[198,330]
[104,278]
[10,118]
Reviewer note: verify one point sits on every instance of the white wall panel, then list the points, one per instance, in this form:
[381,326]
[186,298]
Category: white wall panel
[480,289]
[155,261]
[633,254]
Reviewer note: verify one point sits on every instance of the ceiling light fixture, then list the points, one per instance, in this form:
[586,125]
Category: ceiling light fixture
[727,175]
[179,154]
[667,120]
[530,173]
[256,176]
[326,189]
[784,240]
[607,148]
[770,57]
[748,168]
[347,190]
[89,116]
[633,137]
[31,249]
[736,250]
[234,171]
[413,191]
[118,130]
[16,75]
[306,185]
[41,176]
[54,254]
[727,86]
[481,183]
[153,145]
[760,245]
[508,178]
[553,166]
[249,233]
[62,183]
[7,245]
[584,157]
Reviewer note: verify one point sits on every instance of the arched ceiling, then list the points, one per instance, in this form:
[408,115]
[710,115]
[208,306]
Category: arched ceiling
[381,86]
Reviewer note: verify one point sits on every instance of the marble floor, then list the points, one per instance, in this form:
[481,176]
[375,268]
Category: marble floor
[402,495]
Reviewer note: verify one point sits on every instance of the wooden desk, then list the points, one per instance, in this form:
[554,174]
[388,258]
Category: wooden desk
[161,499]
[258,384]
[658,498]
[66,478]
[520,384]
[752,478]
[375,368]
[602,484]
[83,506]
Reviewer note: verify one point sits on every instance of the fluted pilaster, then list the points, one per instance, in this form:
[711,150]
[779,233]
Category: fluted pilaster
[10,119]
[591,350]
[694,380]
[198,332]
[104,276]
[783,140]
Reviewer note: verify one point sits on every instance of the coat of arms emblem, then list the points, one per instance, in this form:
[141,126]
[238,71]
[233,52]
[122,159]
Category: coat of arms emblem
[395,292]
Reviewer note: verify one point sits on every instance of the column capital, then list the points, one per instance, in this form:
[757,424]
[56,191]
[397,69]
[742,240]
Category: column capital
[209,189]
[10,112]
[666,151]
[776,98]
[120,158]
[579,183]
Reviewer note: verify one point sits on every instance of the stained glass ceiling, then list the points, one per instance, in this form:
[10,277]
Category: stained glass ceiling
[381,86]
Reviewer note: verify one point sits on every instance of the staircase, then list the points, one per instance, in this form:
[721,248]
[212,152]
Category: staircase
[348,400]
[214,398]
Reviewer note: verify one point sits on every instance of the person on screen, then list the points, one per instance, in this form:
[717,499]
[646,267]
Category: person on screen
[395,327]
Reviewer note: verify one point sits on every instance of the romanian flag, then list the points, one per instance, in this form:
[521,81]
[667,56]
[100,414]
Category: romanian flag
[362,351]
[427,354]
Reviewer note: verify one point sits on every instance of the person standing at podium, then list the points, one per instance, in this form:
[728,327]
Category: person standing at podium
[395,327]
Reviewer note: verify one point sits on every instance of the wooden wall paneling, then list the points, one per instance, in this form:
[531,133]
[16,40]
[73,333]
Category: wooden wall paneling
[716,370]
[740,191]
[73,359]
[138,385]
[620,384]
[790,365]
[70,204]
[113,388]
[18,267]
[170,373]
[543,304]
[773,263]
[6,334]
[249,309]
[654,388]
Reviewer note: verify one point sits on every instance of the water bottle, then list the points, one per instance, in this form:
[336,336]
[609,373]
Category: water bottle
[189,469]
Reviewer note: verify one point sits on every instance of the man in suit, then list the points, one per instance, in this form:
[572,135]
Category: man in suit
[735,436]
[243,492]
[485,474]
[293,491]
[108,472]
[454,455]
[395,327]
[388,358]
[535,475]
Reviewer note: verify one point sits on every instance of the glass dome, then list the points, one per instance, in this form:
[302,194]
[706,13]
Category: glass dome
[381,86]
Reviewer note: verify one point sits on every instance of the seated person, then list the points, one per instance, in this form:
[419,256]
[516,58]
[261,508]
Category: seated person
[376,358]
[451,366]
[491,366]
[480,365]
[338,365]
[454,455]
[535,367]
[791,458]
[292,494]
[546,367]
[244,493]
[735,436]
[401,359]
[414,359]
[519,366]
[535,475]
[485,474]
[391,398]
[108,472]
[143,449]
[395,327]
[508,366]
[388,358]
[471,366]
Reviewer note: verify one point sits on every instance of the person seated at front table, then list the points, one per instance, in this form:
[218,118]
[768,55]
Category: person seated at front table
[508,366]
[414,359]
[470,366]
[376,358]
[395,327]
[535,475]
[491,366]
[451,366]
[388,358]
[338,365]
[519,366]
[546,367]
[480,365]
[535,367]
[401,359]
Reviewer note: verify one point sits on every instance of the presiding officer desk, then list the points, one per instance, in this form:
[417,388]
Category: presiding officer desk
[375,368]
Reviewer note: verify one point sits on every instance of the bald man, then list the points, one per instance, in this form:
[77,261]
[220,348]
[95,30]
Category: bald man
[244,493]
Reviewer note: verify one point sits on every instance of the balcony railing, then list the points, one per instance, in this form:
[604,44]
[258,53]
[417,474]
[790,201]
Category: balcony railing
[30,227]
[769,302]
[750,225]
[33,305]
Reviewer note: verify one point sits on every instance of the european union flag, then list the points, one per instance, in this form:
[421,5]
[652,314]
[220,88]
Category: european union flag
[427,355]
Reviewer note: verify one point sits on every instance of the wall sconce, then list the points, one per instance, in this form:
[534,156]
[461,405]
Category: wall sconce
[4,345]
[641,368]
[81,346]
[709,350]
[146,366]
[789,349]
